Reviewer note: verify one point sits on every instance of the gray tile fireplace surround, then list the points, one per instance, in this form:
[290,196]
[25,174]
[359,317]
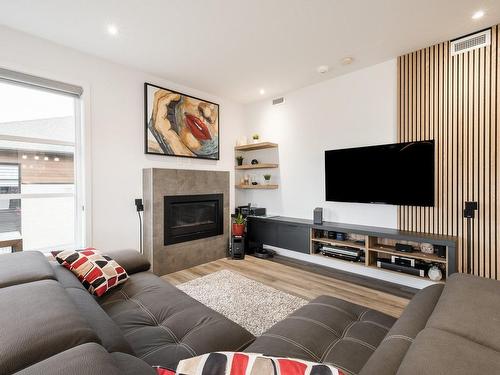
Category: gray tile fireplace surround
[158,183]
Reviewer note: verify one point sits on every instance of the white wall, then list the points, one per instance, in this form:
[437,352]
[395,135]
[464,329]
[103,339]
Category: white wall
[356,109]
[114,119]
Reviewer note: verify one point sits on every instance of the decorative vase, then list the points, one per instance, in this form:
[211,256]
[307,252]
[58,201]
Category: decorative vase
[238,229]
[239,161]
[435,273]
[427,248]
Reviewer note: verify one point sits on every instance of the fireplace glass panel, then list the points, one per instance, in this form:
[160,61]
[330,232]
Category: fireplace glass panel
[191,217]
[186,215]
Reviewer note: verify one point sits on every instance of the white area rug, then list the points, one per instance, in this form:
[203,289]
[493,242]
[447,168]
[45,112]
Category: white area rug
[252,305]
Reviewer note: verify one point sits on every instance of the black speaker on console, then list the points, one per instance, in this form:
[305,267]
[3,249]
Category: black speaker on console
[318,216]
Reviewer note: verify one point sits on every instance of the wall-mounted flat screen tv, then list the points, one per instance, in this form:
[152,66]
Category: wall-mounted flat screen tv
[399,174]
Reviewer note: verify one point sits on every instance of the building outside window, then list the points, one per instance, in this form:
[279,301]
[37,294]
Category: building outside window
[40,188]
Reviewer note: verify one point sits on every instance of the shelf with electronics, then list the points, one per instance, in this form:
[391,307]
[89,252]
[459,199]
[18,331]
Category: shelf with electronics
[423,258]
[247,182]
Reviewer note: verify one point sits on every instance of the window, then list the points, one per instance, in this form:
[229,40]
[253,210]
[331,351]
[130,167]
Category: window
[40,192]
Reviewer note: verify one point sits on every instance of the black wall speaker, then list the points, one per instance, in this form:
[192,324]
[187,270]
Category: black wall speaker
[138,205]
[318,216]
[469,209]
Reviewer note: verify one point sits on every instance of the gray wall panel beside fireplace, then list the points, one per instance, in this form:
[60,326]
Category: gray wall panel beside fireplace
[160,183]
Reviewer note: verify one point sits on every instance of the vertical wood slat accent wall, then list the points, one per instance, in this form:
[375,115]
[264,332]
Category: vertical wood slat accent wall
[455,101]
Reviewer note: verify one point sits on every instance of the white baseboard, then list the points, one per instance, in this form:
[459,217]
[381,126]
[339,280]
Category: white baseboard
[354,268]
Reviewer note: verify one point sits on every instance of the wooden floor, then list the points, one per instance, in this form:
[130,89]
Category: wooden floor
[296,281]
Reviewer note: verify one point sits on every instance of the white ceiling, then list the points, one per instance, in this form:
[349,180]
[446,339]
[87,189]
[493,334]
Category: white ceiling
[233,48]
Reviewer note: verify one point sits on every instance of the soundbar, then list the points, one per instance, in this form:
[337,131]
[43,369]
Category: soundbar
[402,269]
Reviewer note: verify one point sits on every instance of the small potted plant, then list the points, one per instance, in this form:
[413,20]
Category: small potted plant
[239,225]
[255,138]
[239,160]
[267,178]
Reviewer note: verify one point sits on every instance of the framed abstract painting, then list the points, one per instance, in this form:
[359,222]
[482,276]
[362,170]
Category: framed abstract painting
[177,124]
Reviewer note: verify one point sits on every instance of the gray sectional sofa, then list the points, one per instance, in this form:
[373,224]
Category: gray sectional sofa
[49,324]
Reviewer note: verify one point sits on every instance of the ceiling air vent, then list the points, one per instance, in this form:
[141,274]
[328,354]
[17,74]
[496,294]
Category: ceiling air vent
[470,42]
[278,101]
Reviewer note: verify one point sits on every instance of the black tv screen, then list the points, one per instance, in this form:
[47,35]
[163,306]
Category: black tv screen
[399,173]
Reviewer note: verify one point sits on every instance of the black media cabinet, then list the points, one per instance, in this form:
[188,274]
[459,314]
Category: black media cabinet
[377,243]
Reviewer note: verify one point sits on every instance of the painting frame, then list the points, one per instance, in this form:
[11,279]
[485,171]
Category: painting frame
[149,132]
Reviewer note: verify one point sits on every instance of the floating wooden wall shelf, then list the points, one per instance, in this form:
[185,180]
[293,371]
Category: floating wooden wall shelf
[260,186]
[256,166]
[256,146]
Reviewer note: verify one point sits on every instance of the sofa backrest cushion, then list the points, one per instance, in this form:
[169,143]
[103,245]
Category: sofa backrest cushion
[37,321]
[392,350]
[66,278]
[130,365]
[109,333]
[131,260]
[80,360]
[439,352]
[106,329]
[24,267]
[470,307]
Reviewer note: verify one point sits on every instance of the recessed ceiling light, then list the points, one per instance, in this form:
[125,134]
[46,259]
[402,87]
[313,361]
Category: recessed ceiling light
[37,157]
[56,159]
[347,60]
[112,30]
[322,69]
[479,14]
[262,91]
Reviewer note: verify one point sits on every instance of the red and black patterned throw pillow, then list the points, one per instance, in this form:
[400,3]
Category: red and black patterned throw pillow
[97,272]
[163,371]
[234,363]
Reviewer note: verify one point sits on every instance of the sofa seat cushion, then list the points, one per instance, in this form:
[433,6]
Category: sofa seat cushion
[470,307]
[391,351]
[164,325]
[328,330]
[439,352]
[38,320]
[24,267]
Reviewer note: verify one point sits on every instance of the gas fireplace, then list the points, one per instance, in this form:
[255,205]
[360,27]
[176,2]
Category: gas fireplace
[191,217]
